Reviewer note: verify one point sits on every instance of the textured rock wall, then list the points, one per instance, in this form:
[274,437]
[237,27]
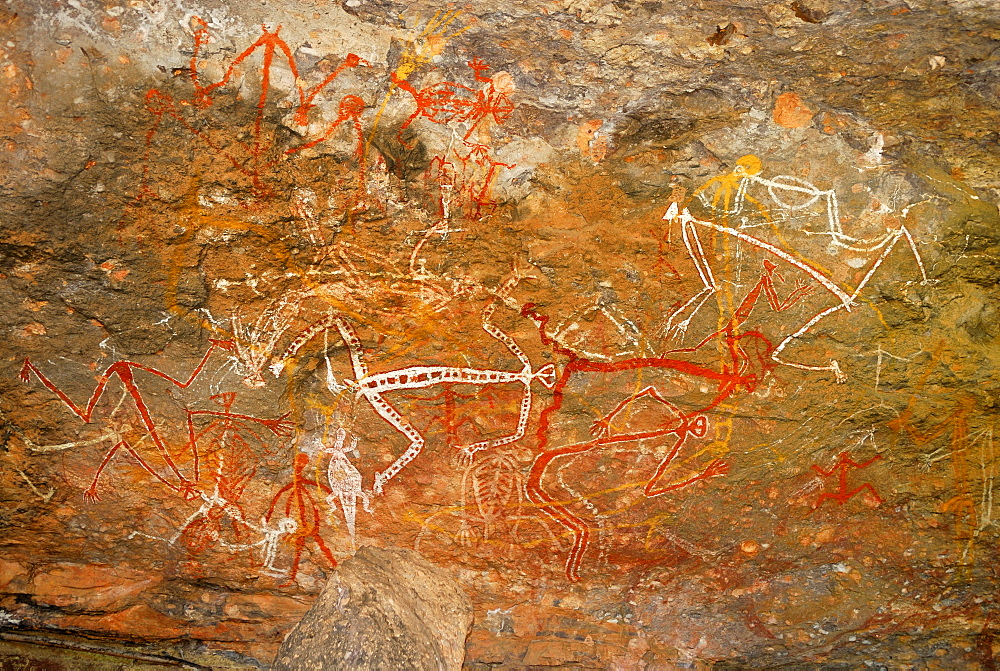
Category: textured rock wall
[669,328]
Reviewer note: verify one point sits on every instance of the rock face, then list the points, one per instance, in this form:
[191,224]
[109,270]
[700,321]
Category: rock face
[382,609]
[671,329]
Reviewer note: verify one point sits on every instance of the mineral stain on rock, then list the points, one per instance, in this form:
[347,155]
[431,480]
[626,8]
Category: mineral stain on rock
[668,332]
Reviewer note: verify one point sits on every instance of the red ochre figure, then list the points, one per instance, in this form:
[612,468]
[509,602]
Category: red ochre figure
[843,494]
[301,507]
[161,104]
[448,102]
[748,355]
[124,371]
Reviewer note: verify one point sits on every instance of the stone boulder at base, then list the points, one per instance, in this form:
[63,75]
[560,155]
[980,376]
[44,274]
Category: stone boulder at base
[382,609]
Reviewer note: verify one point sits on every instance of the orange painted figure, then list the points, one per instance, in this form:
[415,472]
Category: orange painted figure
[748,362]
[300,506]
[843,494]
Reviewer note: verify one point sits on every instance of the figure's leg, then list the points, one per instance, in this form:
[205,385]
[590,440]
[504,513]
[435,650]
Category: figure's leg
[871,490]
[916,254]
[833,366]
[349,504]
[558,512]
[91,492]
[522,424]
[401,424]
[823,497]
[697,254]
[322,546]
[716,468]
[300,544]
[354,347]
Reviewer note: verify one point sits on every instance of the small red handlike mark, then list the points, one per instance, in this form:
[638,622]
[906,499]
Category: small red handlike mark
[843,494]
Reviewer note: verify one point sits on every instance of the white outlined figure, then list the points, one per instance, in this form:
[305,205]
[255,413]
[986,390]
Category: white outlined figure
[373,386]
[215,506]
[846,301]
[345,482]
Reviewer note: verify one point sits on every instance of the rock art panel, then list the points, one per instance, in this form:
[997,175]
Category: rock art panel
[669,353]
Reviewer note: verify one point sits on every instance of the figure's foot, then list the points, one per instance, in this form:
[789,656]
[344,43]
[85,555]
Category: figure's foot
[716,468]
[601,428]
[837,373]
[90,495]
[465,535]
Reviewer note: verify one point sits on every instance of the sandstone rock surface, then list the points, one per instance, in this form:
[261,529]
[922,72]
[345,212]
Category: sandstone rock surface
[382,609]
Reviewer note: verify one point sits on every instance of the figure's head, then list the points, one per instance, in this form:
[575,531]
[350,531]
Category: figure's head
[748,165]
[351,107]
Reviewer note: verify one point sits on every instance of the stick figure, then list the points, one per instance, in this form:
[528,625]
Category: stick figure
[305,514]
[843,494]
[124,371]
[372,386]
[846,301]
[449,102]
[747,351]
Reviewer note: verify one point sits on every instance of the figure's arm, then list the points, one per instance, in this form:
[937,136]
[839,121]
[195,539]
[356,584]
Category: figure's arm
[277,497]
[867,463]
[28,368]
[825,474]
[278,426]
[403,84]
[223,344]
[698,191]
[204,91]
[602,427]
[351,61]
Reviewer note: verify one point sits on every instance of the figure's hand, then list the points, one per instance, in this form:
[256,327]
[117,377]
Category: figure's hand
[90,495]
[464,456]
[188,490]
[477,64]
[601,428]
[227,345]
[279,426]
[353,61]
[25,373]
[716,468]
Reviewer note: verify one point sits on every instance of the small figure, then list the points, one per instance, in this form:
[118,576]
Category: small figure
[842,495]
[305,514]
[345,482]
[448,102]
